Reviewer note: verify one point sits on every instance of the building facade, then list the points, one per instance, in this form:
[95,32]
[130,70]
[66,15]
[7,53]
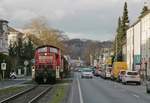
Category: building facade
[4,36]
[138,45]
[130,33]
[124,52]
[14,35]
[145,43]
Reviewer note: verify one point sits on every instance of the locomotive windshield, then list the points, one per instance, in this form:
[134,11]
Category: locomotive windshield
[53,50]
[44,49]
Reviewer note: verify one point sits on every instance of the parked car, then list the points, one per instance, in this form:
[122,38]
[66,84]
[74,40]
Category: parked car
[97,72]
[102,74]
[107,74]
[121,73]
[76,69]
[93,69]
[148,85]
[131,77]
[13,75]
[86,73]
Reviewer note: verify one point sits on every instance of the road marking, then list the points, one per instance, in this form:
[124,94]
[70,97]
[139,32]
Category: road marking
[136,96]
[72,88]
[80,93]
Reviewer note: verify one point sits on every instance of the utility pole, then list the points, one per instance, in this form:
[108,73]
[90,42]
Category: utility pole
[91,60]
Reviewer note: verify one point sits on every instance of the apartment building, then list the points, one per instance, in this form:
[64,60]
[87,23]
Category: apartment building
[138,45]
[4,36]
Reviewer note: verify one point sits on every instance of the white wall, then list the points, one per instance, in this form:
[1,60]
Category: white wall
[137,45]
[145,43]
[137,38]
[130,32]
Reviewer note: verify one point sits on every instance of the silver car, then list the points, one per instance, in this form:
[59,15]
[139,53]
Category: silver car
[86,73]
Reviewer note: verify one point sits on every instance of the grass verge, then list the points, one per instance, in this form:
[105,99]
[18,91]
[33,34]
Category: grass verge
[59,94]
[11,90]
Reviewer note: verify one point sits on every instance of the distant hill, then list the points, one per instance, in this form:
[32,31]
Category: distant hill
[78,47]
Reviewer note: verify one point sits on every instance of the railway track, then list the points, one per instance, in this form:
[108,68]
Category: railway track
[31,95]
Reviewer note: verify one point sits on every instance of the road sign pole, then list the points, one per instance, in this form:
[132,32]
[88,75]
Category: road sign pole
[3,68]
[3,74]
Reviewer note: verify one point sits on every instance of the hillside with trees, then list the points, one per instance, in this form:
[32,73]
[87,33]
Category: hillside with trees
[84,48]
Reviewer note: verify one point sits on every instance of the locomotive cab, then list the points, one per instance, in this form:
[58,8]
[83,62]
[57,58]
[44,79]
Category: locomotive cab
[47,64]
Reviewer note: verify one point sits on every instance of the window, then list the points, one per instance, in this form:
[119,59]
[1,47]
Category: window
[54,50]
[132,73]
[44,49]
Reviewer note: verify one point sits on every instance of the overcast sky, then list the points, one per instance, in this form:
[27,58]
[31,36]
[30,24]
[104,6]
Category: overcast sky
[88,19]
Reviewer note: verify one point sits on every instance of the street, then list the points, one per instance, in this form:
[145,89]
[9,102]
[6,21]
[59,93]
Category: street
[98,90]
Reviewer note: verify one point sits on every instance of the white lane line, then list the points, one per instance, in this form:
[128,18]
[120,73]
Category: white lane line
[72,88]
[80,93]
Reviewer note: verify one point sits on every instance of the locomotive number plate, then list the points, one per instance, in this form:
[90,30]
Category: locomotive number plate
[45,57]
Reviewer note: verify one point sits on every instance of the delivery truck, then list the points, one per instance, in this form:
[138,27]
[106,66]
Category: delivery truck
[116,68]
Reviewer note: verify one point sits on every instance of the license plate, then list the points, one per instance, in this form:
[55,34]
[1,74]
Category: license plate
[133,76]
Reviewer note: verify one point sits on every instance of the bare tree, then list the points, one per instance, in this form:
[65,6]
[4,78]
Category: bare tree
[42,34]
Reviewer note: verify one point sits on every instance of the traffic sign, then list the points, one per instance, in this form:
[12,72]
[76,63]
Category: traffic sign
[26,62]
[3,66]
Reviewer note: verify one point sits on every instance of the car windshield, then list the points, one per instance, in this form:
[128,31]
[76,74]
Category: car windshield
[123,72]
[87,70]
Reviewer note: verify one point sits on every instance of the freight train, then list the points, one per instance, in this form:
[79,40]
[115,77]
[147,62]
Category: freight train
[49,64]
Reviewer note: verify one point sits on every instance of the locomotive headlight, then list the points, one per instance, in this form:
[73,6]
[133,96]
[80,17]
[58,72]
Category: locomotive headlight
[45,54]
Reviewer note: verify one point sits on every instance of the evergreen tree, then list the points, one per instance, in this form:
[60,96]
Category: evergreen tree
[12,55]
[125,22]
[28,50]
[144,10]
[11,50]
[19,51]
[123,25]
[118,41]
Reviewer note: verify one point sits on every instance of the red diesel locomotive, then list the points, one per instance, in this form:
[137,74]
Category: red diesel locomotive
[48,64]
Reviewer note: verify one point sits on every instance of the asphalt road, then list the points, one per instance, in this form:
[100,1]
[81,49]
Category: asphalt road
[98,90]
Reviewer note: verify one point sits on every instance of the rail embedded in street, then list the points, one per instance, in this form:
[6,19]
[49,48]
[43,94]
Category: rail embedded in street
[17,95]
[32,93]
[34,100]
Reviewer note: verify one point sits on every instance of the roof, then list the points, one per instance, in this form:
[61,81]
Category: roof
[146,13]
[139,19]
[46,46]
[2,20]
[135,23]
[10,29]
